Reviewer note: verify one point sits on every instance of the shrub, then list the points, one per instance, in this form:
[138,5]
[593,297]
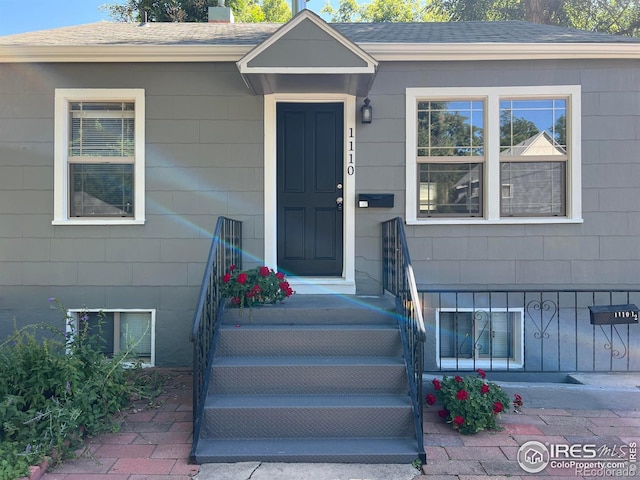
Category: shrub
[51,389]
[470,404]
[253,287]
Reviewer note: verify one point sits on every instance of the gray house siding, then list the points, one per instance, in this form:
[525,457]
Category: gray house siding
[307,45]
[204,158]
[601,252]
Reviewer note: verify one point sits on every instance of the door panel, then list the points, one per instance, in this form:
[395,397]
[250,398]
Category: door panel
[309,170]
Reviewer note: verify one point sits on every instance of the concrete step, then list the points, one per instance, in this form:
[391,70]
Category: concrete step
[309,340]
[310,375]
[307,416]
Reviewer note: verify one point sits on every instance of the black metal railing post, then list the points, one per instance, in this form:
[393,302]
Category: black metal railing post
[398,279]
[226,250]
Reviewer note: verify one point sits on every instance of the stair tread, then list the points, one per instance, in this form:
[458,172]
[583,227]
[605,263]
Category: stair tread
[308,401]
[311,326]
[228,361]
[321,449]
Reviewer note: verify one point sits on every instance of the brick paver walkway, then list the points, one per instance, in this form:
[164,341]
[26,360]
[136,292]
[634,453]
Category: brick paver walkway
[452,456]
[154,442]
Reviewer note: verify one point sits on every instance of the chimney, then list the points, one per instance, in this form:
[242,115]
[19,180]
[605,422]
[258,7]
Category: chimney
[297,6]
[220,14]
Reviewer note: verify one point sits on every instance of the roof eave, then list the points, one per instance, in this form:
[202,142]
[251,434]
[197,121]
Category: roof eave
[396,52]
[387,52]
[123,53]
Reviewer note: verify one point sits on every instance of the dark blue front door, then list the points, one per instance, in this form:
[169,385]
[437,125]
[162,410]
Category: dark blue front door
[310,188]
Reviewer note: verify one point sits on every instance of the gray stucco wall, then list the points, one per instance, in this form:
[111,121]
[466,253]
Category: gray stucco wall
[204,158]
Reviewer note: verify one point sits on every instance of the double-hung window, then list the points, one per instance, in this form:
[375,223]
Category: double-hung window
[493,155]
[99,156]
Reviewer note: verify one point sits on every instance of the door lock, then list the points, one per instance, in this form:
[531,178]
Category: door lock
[339,202]
[339,186]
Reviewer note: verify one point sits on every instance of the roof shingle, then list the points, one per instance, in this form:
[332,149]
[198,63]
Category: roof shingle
[176,34]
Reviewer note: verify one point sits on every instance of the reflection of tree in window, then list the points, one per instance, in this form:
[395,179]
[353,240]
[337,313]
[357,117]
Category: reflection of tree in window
[533,130]
[449,129]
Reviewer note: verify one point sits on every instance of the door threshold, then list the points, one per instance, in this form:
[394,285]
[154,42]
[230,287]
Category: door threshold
[322,285]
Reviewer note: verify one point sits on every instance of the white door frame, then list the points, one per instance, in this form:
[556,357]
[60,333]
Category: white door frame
[304,285]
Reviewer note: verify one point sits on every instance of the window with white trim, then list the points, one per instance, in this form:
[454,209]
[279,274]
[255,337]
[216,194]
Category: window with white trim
[468,338]
[493,155]
[119,331]
[99,156]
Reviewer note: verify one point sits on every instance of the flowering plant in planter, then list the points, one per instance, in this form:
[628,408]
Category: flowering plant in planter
[471,403]
[259,285]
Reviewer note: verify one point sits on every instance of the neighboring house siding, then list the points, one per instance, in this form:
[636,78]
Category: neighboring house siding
[601,252]
[203,159]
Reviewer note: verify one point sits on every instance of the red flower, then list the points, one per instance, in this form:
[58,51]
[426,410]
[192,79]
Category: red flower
[286,288]
[444,413]
[232,268]
[431,399]
[236,300]
[264,271]
[458,420]
[436,384]
[458,378]
[497,407]
[280,276]
[482,374]
[226,277]
[256,288]
[242,278]
[485,388]
[462,395]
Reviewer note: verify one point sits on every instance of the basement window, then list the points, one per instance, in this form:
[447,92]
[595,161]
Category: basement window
[470,339]
[118,331]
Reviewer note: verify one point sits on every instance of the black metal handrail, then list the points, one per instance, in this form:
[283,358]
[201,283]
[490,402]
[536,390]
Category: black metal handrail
[398,279]
[226,250]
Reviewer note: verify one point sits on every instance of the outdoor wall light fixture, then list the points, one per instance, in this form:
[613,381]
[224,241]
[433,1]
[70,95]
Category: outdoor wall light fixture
[367,111]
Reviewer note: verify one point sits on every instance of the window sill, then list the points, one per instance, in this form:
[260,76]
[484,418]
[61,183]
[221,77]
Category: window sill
[496,221]
[469,364]
[98,221]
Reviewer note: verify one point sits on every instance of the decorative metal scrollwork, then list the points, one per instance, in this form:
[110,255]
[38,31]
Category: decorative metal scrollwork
[480,316]
[615,353]
[547,306]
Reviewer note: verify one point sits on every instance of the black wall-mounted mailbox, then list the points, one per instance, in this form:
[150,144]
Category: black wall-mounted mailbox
[613,314]
[375,200]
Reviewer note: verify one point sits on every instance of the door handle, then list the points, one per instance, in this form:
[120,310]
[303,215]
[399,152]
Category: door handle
[339,202]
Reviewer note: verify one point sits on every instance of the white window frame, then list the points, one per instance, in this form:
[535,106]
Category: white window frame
[491,172]
[63,98]
[74,313]
[517,361]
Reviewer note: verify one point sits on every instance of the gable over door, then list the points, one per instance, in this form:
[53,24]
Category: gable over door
[310,148]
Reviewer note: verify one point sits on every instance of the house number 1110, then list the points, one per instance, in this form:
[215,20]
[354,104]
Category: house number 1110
[351,168]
